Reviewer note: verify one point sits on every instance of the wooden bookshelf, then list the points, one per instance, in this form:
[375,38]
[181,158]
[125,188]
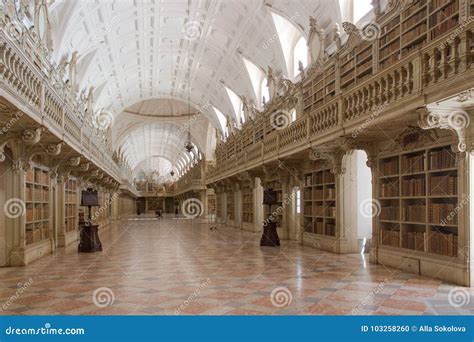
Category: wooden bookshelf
[319,202]
[247,204]
[414,27]
[37,191]
[70,205]
[418,193]
[389,42]
[211,204]
[275,184]
[230,206]
[219,205]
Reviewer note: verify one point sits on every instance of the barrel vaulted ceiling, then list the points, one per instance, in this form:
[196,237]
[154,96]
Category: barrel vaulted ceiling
[136,51]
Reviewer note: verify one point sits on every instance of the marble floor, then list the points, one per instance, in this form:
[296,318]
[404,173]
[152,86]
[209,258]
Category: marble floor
[176,266]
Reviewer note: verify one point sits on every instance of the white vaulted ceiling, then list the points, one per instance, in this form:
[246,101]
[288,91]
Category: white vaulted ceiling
[132,51]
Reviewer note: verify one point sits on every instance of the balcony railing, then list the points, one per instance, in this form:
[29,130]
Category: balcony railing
[417,77]
[27,76]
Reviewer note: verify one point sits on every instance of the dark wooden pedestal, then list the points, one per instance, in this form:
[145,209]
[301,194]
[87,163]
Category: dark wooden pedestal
[89,242]
[270,235]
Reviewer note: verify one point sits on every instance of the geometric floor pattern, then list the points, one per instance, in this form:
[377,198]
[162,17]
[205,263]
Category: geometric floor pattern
[175,266]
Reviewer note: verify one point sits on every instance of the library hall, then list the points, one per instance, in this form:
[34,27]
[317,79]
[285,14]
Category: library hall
[236,157]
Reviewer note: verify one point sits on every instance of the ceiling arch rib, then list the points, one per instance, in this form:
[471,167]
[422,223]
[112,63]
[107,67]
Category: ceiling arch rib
[126,54]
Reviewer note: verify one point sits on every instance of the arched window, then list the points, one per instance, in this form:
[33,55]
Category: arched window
[257,77]
[300,54]
[293,44]
[236,105]
[222,120]
[361,9]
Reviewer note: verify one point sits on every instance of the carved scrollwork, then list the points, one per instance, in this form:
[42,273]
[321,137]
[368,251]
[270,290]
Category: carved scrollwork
[74,161]
[84,167]
[456,121]
[32,136]
[54,149]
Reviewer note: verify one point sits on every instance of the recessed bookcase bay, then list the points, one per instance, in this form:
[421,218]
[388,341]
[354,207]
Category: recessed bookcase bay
[71,219]
[230,206]
[418,195]
[319,202]
[37,191]
[248,204]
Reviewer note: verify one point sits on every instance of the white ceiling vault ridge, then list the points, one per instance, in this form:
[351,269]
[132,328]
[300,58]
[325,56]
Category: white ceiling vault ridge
[135,54]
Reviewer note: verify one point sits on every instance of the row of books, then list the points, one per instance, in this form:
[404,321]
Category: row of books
[70,210]
[420,16]
[329,211]
[414,187]
[71,185]
[390,237]
[364,54]
[443,213]
[442,159]
[416,5]
[70,197]
[413,163]
[414,33]
[444,27]
[389,213]
[390,188]
[70,225]
[414,240]
[444,244]
[389,166]
[37,234]
[446,12]
[443,185]
[434,4]
[414,212]
[37,176]
[36,214]
[36,194]
[247,217]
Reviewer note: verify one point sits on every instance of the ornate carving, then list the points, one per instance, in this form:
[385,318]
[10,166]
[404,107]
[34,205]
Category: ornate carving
[332,156]
[353,33]
[85,167]
[456,120]
[54,149]
[74,161]
[32,136]
[315,42]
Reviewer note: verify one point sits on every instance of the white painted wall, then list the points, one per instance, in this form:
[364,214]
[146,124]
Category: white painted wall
[364,193]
